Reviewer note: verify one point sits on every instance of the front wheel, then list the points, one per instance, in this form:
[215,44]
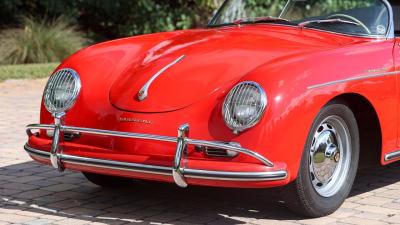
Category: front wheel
[329,163]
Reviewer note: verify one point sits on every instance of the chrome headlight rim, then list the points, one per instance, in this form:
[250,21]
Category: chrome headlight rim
[226,111]
[59,77]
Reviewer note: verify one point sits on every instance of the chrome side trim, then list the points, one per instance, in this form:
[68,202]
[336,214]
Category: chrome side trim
[161,170]
[143,93]
[392,156]
[353,79]
[189,141]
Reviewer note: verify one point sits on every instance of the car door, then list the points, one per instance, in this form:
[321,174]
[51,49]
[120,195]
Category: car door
[396,57]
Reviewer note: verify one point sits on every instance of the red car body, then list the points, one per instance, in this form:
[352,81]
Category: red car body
[300,69]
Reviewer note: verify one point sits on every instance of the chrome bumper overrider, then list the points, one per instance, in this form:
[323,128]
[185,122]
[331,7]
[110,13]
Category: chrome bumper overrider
[178,172]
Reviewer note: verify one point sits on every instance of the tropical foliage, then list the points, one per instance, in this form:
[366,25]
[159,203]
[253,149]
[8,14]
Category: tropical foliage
[108,19]
[40,42]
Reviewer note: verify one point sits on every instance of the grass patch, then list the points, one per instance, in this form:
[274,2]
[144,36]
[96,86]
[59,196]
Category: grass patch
[26,71]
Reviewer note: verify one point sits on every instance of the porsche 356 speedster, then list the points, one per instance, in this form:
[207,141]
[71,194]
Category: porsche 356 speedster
[293,93]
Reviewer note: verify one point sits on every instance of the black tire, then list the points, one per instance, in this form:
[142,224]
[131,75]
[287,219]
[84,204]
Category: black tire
[301,195]
[107,181]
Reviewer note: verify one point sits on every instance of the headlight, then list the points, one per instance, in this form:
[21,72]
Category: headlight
[61,91]
[244,106]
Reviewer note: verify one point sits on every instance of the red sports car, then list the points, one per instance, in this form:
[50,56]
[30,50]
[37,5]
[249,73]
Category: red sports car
[294,93]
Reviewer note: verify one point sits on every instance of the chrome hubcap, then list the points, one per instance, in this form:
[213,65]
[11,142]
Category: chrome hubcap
[330,155]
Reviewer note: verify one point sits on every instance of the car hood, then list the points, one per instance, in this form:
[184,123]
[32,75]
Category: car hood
[187,66]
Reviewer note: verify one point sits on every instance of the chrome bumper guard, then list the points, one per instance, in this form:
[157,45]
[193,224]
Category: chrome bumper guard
[178,171]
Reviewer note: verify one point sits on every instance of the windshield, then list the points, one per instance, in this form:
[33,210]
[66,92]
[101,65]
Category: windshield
[355,17]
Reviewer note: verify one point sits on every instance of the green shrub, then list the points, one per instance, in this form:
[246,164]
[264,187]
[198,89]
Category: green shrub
[39,42]
[26,71]
[109,19]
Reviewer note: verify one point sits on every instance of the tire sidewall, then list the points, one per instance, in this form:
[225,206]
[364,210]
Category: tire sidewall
[316,203]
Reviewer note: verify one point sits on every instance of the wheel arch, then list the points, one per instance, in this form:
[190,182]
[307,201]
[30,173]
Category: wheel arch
[368,126]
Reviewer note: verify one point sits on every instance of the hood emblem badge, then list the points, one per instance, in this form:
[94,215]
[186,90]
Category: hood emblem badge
[143,93]
[133,120]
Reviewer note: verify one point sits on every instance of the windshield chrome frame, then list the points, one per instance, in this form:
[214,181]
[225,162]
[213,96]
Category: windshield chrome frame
[389,33]
[284,10]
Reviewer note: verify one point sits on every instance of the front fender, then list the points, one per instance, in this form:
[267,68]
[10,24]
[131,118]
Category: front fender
[294,101]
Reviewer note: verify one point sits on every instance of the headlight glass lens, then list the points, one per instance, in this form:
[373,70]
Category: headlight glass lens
[244,106]
[62,90]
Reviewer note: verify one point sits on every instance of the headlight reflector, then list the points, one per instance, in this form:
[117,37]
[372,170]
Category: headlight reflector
[61,91]
[244,106]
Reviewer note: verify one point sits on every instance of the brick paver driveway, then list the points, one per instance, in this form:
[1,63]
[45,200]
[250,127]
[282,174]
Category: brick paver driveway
[34,194]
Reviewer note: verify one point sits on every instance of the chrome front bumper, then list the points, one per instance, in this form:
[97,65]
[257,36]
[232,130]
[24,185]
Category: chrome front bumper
[178,172]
